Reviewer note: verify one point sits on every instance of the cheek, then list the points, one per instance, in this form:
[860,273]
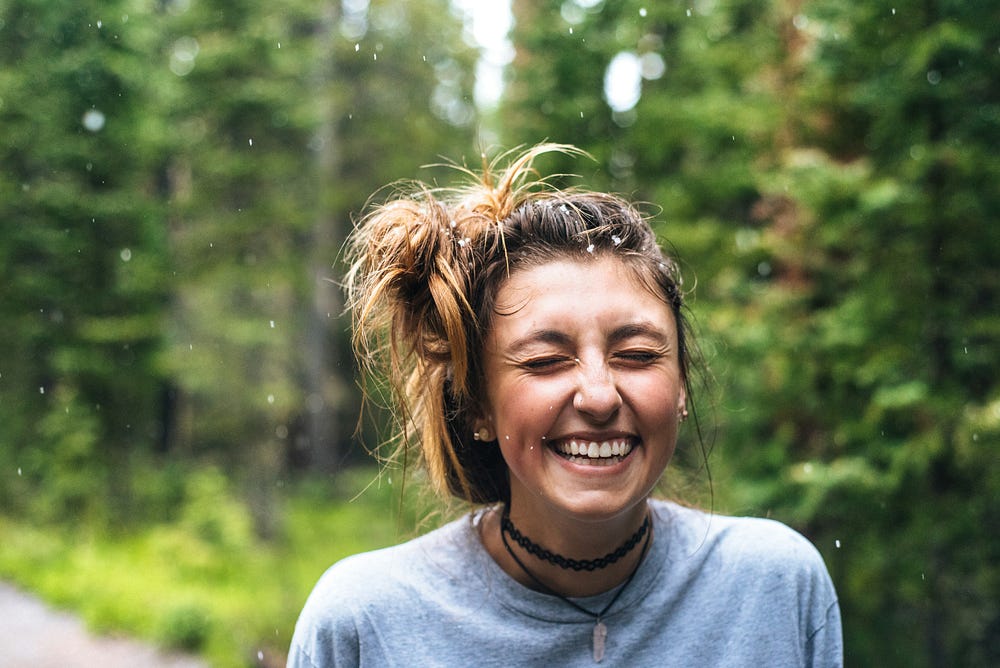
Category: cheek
[526,411]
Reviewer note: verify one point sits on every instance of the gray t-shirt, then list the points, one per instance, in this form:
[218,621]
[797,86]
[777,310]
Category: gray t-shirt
[712,591]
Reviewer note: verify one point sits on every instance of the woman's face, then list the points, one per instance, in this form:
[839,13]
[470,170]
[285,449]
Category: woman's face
[584,388]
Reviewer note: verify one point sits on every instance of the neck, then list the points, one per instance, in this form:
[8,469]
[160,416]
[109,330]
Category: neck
[572,539]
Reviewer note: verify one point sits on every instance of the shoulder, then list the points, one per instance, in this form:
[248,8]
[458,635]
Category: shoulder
[748,553]
[367,578]
[751,540]
[395,580]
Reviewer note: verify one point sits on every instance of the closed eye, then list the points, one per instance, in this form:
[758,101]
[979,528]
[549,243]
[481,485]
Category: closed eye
[544,363]
[638,357]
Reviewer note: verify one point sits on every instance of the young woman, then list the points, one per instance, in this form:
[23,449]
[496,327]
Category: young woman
[538,347]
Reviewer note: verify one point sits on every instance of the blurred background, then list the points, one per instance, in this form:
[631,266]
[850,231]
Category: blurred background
[178,401]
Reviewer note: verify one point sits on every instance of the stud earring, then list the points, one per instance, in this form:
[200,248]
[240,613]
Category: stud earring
[683,414]
[481,434]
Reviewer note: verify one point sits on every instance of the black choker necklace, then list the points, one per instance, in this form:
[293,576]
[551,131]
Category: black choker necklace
[600,633]
[533,548]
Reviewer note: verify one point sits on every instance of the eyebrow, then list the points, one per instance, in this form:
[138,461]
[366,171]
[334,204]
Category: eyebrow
[643,328]
[552,336]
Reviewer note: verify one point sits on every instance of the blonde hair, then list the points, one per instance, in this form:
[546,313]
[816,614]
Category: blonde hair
[424,271]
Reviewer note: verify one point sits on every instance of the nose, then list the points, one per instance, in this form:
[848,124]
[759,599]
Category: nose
[597,393]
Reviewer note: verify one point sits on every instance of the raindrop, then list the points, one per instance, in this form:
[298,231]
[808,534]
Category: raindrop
[251,141]
[688,12]
[933,77]
[642,12]
[126,254]
[893,11]
[357,47]
[260,655]
[41,390]
[615,239]
[18,470]
[374,56]
[652,65]
[837,543]
[272,324]
[100,24]
[590,248]
[270,398]
[571,30]
[183,55]
[93,120]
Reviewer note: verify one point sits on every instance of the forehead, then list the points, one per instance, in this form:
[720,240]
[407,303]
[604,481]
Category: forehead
[596,292]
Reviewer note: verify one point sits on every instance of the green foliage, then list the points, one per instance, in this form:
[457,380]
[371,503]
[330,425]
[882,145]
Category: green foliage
[201,581]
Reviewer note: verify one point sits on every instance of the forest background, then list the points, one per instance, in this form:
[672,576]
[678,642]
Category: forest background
[177,396]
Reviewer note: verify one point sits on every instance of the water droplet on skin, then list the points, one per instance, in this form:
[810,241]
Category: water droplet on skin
[590,248]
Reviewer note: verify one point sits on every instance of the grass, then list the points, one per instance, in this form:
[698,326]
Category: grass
[204,582]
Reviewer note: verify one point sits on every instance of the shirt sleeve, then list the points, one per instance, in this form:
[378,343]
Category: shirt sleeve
[825,648]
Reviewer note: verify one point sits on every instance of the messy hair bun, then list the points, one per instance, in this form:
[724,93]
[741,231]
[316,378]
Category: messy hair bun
[424,271]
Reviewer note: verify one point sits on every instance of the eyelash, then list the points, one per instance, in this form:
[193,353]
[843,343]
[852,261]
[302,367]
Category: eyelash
[543,363]
[639,356]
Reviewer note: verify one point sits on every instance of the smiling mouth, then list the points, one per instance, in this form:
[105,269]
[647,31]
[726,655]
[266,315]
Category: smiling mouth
[599,453]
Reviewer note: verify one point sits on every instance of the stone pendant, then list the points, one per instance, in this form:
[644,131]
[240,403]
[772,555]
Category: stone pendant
[600,635]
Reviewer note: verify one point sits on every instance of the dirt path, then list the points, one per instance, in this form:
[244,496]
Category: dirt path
[34,635]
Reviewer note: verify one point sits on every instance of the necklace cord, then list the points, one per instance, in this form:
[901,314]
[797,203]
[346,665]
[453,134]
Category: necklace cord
[549,590]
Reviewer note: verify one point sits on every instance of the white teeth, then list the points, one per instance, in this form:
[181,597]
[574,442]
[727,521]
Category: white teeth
[603,452]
